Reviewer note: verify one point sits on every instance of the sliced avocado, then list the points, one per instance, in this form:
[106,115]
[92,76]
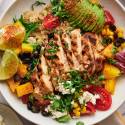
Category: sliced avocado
[78,21]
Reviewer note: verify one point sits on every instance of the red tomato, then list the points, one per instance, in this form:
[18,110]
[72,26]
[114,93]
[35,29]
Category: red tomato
[50,22]
[109,19]
[90,109]
[25,99]
[105,100]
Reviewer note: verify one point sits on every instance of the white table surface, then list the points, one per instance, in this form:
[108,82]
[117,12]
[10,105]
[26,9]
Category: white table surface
[110,121]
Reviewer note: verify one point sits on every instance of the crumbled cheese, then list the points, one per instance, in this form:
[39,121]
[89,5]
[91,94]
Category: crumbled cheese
[64,90]
[88,97]
[55,114]
[1,120]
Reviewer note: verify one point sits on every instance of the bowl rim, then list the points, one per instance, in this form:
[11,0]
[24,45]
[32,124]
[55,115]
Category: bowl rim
[26,117]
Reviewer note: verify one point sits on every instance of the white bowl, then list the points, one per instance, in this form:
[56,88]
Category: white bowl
[118,98]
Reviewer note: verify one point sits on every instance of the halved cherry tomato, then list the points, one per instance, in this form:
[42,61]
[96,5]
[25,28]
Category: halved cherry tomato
[109,19]
[25,99]
[50,22]
[105,100]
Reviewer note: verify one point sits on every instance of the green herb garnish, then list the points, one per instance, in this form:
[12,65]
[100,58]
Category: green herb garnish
[111,61]
[114,50]
[101,77]
[30,27]
[64,119]
[79,123]
[37,3]
[58,9]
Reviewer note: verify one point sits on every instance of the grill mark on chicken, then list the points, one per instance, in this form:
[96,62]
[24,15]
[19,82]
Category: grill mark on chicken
[61,54]
[73,61]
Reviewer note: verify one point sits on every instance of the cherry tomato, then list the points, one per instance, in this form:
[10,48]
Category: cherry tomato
[109,19]
[25,99]
[50,22]
[105,100]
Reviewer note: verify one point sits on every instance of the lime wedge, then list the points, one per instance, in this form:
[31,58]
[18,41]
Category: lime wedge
[8,65]
[12,36]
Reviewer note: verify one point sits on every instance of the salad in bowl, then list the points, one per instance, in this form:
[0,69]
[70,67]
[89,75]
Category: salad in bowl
[64,60]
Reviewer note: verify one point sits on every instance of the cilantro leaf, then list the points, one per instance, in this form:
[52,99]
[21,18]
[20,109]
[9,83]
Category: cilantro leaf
[37,3]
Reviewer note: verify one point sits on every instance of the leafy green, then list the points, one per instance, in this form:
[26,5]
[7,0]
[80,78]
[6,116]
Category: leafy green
[37,3]
[114,50]
[32,68]
[77,80]
[101,77]
[30,27]
[58,9]
[111,61]
[64,119]
[79,123]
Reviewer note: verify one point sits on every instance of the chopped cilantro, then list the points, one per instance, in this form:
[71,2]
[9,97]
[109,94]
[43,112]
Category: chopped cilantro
[101,77]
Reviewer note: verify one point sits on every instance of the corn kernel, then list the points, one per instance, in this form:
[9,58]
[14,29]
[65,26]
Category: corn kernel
[119,30]
[111,37]
[104,32]
[75,105]
[83,110]
[27,47]
[111,33]
[78,109]
[120,34]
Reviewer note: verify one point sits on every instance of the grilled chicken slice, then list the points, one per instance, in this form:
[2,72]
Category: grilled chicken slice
[75,51]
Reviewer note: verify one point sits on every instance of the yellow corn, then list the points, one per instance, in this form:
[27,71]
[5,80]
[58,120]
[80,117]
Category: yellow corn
[120,34]
[83,110]
[110,33]
[75,105]
[111,37]
[77,114]
[104,32]
[27,48]
[78,109]
[119,30]
[24,89]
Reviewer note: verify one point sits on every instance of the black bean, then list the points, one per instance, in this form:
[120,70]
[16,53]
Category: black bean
[36,55]
[29,105]
[26,57]
[119,41]
[44,113]
[112,27]
[17,78]
[115,35]
[35,109]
